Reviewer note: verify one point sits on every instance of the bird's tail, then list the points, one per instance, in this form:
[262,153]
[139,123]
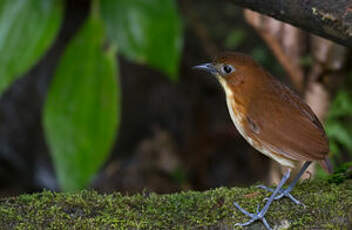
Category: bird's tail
[326,165]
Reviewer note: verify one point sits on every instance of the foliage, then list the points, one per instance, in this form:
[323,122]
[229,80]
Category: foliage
[341,173]
[82,110]
[235,38]
[145,31]
[27,29]
[340,132]
[339,123]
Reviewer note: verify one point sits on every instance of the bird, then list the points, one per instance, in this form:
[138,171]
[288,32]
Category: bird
[273,119]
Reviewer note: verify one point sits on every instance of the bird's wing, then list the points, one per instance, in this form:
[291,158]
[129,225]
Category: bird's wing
[286,125]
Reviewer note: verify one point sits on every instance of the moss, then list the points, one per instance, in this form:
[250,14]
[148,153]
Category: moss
[324,15]
[328,206]
[341,173]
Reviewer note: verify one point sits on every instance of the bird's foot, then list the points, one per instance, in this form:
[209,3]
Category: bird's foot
[254,216]
[282,193]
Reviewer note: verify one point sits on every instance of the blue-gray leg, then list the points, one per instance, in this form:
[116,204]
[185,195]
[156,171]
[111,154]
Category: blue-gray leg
[260,214]
[286,192]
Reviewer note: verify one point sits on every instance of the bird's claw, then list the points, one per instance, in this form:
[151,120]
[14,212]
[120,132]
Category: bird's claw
[242,210]
[266,188]
[258,216]
[282,193]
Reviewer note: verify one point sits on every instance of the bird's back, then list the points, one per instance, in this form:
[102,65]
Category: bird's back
[286,123]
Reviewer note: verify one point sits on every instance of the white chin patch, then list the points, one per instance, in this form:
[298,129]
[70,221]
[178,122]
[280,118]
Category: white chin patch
[224,85]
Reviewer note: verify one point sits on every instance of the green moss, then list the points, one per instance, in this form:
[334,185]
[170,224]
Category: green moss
[341,173]
[328,206]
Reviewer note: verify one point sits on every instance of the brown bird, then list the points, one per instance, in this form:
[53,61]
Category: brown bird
[272,118]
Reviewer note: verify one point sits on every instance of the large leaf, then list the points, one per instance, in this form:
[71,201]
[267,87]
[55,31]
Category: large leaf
[146,31]
[81,113]
[27,28]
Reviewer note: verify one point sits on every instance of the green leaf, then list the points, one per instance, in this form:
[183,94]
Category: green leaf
[341,133]
[235,38]
[81,114]
[146,31]
[339,123]
[27,28]
[342,105]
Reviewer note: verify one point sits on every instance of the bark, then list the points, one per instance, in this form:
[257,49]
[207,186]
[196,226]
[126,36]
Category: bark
[330,19]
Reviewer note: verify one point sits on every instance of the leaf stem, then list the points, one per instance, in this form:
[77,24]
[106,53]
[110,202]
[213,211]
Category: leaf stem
[95,8]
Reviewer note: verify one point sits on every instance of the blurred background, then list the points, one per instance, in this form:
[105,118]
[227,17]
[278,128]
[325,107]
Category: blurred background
[101,94]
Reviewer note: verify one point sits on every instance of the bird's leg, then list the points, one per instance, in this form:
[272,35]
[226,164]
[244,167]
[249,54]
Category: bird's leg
[260,214]
[286,192]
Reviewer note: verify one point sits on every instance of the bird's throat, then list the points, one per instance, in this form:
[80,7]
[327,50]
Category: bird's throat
[225,86]
[235,110]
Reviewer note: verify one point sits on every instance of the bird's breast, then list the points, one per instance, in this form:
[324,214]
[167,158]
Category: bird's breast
[237,114]
[242,122]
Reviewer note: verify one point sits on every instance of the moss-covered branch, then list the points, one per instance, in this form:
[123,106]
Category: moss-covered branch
[328,206]
[328,18]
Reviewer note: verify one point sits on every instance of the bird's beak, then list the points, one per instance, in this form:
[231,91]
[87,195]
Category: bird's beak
[208,67]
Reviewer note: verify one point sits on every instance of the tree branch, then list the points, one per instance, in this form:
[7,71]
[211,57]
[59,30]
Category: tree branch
[331,19]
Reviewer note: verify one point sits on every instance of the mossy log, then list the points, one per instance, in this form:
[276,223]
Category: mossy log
[328,206]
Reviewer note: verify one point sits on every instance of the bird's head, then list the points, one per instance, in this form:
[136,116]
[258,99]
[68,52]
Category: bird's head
[232,69]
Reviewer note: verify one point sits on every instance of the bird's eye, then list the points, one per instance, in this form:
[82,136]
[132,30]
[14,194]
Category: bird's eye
[226,69]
